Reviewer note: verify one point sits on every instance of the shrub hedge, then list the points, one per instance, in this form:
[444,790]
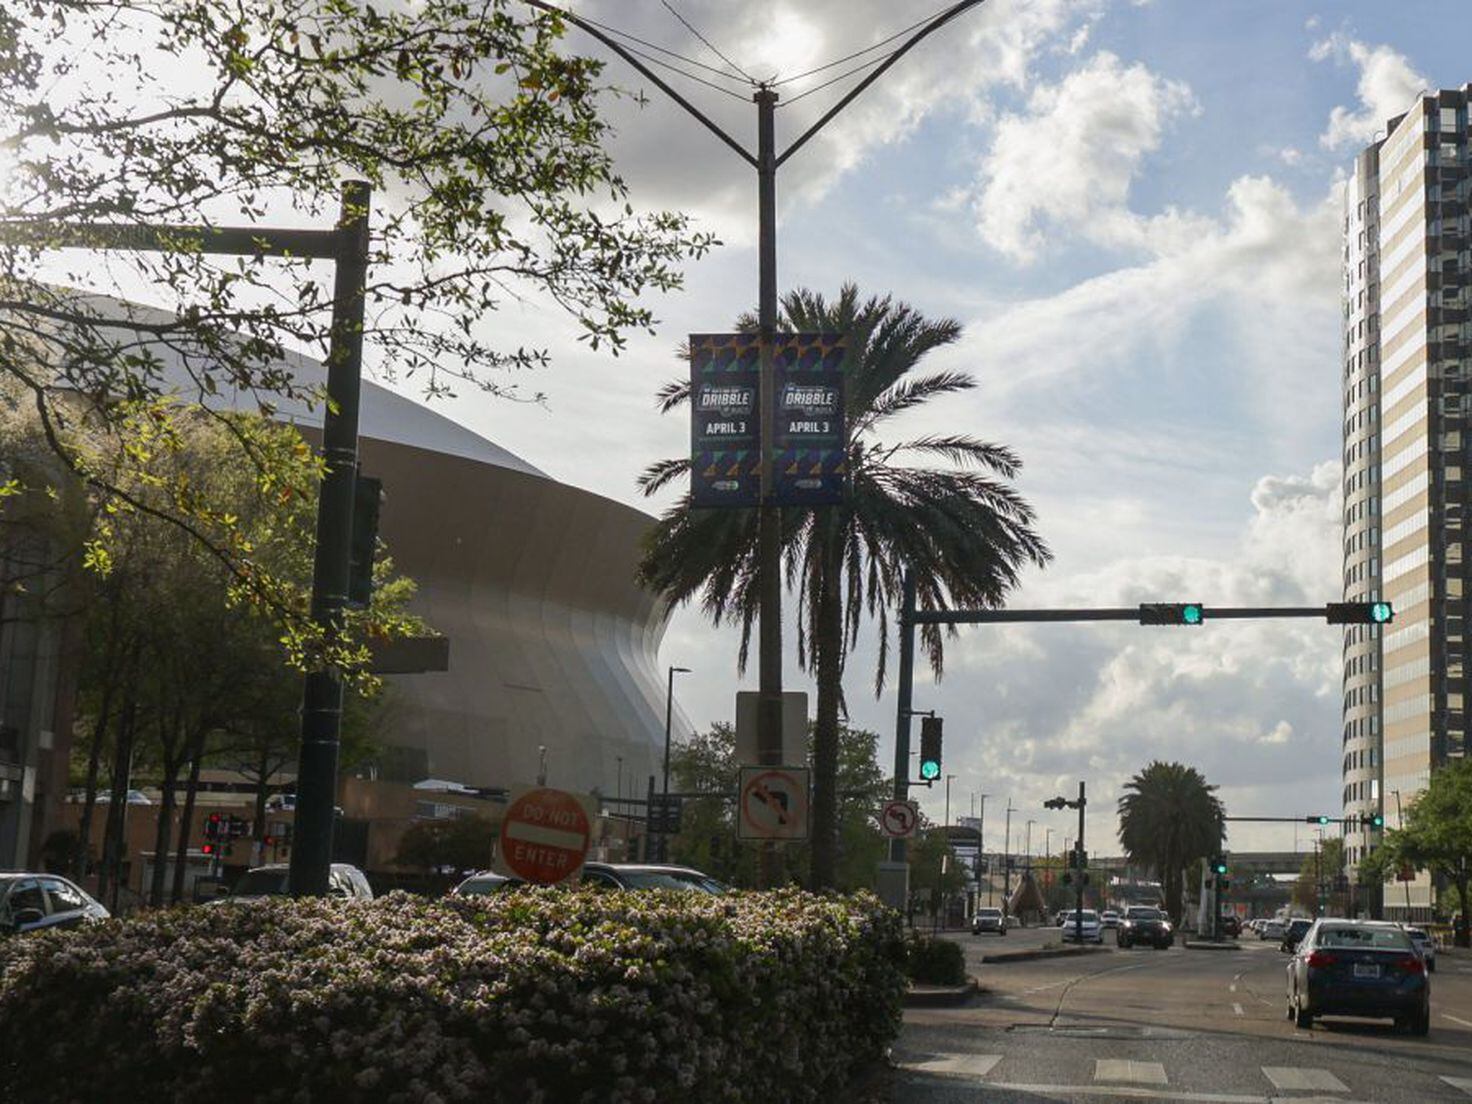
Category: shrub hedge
[934,961]
[541,996]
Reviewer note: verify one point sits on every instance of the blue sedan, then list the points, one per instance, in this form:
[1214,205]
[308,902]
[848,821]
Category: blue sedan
[1359,968]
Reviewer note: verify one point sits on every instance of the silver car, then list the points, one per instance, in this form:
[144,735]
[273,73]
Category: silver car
[32,901]
[1426,945]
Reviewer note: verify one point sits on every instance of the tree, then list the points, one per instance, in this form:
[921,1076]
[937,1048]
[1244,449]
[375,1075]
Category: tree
[936,871]
[1318,875]
[961,529]
[1437,835]
[1168,818]
[706,763]
[483,142]
[457,845]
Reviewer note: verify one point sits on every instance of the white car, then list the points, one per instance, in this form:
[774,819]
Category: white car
[31,901]
[1424,944]
[1272,929]
[1109,918]
[1092,929]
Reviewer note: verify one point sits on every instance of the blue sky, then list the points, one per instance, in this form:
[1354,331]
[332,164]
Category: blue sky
[1133,209]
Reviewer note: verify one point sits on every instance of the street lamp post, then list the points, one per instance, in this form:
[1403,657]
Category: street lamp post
[1027,846]
[669,709]
[1007,861]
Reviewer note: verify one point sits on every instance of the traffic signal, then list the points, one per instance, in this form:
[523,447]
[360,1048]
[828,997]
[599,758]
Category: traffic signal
[367,496]
[208,849]
[1067,878]
[1321,819]
[1172,613]
[1218,865]
[1055,803]
[1359,613]
[1377,821]
[1223,884]
[930,737]
[213,828]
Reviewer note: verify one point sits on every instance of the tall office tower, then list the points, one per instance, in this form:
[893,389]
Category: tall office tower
[1407,354]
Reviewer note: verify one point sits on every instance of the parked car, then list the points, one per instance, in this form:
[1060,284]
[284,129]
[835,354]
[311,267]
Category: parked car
[1109,918]
[1359,968]
[650,876]
[135,797]
[1297,928]
[1231,926]
[32,901]
[343,880]
[1272,929]
[1143,924]
[989,920]
[1090,931]
[485,883]
[1426,946]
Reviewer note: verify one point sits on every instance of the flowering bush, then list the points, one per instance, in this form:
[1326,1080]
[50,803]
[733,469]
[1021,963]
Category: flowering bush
[934,961]
[541,996]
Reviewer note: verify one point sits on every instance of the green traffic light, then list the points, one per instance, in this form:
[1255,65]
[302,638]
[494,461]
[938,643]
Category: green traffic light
[1323,820]
[1221,868]
[1381,613]
[1377,821]
[930,770]
[1191,613]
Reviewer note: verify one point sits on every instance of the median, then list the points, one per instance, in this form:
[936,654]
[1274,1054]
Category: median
[529,995]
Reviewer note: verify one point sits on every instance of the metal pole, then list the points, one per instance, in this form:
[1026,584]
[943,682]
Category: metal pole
[1027,846]
[311,853]
[981,850]
[669,709]
[1007,863]
[905,698]
[1400,824]
[1078,916]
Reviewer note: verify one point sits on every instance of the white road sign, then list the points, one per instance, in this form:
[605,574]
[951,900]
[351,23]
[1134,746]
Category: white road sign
[899,819]
[774,803]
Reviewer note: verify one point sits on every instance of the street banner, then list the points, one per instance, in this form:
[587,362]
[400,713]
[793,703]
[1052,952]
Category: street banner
[810,442]
[725,420]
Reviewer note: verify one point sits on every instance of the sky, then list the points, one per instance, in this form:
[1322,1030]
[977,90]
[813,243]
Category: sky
[1132,207]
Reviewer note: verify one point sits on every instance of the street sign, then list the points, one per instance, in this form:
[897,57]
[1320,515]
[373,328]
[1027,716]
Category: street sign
[898,819]
[544,835]
[725,420]
[773,803]
[664,814]
[810,442]
[794,727]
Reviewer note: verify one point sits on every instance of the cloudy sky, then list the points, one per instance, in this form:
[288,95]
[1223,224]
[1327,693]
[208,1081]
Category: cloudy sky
[1132,208]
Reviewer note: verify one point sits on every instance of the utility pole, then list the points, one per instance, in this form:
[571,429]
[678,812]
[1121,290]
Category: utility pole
[1027,847]
[1007,864]
[981,848]
[1080,865]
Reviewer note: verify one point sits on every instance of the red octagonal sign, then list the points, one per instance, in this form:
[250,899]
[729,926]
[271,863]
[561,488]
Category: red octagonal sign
[545,836]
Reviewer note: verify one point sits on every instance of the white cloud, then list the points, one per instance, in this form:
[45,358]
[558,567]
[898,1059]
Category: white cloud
[1071,158]
[1282,732]
[1387,86]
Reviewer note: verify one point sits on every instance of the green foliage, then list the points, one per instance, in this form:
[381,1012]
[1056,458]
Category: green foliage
[480,135]
[1169,818]
[1438,833]
[934,961]
[935,869]
[706,763]
[1316,874]
[553,995]
[462,844]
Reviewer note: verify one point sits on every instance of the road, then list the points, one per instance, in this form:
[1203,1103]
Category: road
[1170,1025]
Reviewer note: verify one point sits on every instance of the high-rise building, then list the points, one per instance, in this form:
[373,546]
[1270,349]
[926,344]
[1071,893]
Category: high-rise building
[1407,354]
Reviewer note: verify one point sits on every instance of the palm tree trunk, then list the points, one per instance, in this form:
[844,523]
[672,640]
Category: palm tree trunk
[828,656]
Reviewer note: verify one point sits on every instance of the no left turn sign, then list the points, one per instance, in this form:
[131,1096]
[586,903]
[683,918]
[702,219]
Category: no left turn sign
[899,819]
[774,803]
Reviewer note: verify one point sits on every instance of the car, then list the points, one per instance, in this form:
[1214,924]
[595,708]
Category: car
[32,901]
[343,880]
[1272,929]
[1090,931]
[135,797]
[1231,926]
[1109,918]
[1426,945]
[1364,968]
[989,920]
[1295,931]
[1143,924]
[650,876]
[485,883]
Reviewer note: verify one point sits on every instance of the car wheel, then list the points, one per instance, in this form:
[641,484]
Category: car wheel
[1421,1025]
[1288,1015]
[1431,966]
[1302,1017]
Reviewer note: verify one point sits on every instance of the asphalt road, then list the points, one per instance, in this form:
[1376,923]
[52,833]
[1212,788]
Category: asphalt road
[1170,1025]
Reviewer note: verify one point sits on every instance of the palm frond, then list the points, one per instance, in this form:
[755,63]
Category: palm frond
[659,475]
[672,395]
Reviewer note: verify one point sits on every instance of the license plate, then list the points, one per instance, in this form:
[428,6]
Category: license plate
[1366,970]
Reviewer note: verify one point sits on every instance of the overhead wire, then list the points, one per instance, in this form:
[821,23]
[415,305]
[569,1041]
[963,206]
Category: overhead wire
[708,44]
[857,53]
[841,76]
[660,49]
[690,76]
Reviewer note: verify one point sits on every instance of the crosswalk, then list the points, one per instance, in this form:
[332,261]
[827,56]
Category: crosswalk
[1145,1080]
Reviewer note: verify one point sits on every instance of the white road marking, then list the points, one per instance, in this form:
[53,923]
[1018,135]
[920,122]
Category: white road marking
[1463,1083]
[965,1065]
[1232,988]
[1126,1069]
[1126,1092]
[1237,1008]
[1456,1019]
[1297,1077]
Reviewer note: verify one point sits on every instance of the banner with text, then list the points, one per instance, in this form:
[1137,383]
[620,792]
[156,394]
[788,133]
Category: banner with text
[810,463]
[725,420]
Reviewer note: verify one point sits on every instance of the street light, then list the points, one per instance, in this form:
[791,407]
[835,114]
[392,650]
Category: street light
[669,709]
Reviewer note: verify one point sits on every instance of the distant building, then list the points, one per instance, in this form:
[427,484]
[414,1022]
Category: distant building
[1406,359]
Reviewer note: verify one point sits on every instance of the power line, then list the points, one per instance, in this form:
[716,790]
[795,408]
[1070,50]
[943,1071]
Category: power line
[709,45]
[841,76]
[660,49]
[691,76]
[857,53]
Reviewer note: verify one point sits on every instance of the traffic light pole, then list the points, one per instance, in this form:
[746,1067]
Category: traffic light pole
[1078,913]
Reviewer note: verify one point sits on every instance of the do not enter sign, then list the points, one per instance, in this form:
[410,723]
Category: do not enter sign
[544,836]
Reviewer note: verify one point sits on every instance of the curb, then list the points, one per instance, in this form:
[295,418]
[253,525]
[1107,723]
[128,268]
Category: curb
[1052,952]
[1201,945]
[939,996]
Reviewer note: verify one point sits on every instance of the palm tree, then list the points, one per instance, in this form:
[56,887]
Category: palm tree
[961,529]
[1170,817]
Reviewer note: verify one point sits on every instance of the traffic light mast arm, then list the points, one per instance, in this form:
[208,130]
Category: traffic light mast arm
[1133,613]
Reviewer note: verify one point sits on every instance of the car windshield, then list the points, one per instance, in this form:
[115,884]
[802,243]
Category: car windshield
[1366,939]
[661,879]
[992,912]
[1143,914]
[260,883]
[473,887]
